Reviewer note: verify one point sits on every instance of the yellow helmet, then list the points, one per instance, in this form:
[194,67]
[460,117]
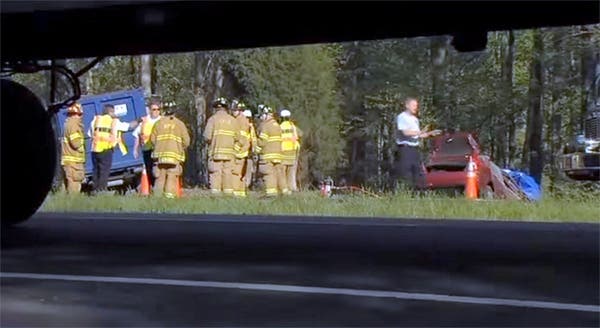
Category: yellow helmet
[75,109]
[238,105]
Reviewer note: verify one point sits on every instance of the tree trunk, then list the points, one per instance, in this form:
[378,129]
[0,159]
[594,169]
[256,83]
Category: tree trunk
[89,82]
[154,85]
[558,85]
[146,74]
[503,155]
[439,54]
[202,72]
[132,72]
[533,144]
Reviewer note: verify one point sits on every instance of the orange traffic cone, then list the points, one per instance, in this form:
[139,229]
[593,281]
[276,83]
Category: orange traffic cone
[471,187]
[145,186]
[179,188]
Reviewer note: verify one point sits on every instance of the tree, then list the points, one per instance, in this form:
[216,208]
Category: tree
[533,151]
[146,74]
[302,79]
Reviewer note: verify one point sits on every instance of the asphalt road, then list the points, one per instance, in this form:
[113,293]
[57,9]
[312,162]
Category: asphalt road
[169,270]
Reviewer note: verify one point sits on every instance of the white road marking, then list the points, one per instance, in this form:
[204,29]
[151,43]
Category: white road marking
[311,290]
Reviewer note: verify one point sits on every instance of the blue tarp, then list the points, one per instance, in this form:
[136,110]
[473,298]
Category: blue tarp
[527,184]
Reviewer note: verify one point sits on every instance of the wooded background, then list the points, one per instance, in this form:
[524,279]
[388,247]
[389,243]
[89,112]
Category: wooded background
[524,96]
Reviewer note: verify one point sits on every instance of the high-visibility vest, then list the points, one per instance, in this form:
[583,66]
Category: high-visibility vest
[289,137]
[103,138]
[145,131]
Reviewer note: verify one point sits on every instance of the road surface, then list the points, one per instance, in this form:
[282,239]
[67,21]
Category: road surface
[101,269]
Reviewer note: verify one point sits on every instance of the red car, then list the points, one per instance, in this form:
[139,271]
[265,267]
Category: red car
[446,167]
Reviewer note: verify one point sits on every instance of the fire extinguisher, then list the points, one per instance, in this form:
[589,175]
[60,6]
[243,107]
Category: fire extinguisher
[326,187]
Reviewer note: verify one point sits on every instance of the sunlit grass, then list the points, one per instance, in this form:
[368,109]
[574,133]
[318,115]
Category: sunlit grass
[311,203]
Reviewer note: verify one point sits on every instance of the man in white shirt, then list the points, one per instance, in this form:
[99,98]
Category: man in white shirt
[408,137]
[105,133]
[142,138]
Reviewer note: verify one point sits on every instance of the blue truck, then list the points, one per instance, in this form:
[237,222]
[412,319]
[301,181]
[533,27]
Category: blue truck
[126,170]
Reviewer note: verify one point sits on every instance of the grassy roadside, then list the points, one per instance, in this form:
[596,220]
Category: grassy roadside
[310,203]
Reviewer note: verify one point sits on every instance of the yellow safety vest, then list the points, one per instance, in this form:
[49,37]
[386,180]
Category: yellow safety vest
[102,138]
[289,137]
[146,130]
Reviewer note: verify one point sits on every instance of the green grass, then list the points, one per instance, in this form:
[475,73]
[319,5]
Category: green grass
[310,203]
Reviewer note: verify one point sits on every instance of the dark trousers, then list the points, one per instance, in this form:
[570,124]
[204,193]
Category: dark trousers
[102,162]
[408,167]
[149,162]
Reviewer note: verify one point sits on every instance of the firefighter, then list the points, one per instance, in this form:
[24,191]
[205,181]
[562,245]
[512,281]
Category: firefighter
[290,148]
[171,139]
[73,150]
[220,134]
[252,159]
[242,148]
[105,131]
[269,148]
[142,137]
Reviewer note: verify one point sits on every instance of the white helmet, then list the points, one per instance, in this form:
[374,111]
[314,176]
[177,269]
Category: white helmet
[285,113]
[248,113]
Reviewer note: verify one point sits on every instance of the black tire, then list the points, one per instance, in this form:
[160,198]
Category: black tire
[28,150]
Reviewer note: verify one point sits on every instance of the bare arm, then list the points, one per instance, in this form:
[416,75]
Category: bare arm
[421,134]
[136,148]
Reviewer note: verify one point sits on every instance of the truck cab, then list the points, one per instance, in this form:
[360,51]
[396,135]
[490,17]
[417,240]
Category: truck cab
[126,170]
[581,156]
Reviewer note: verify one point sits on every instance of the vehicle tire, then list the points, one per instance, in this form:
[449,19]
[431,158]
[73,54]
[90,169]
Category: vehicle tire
[28,150]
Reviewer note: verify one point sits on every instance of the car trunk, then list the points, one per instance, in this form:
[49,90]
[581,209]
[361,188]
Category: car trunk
[450,153]
[447,164]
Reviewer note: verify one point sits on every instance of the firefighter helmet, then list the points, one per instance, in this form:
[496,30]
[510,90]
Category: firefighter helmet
[75,109]
[248,113]
[285,113]
[221,102]
[237,105]
[169,108]
[264,109]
